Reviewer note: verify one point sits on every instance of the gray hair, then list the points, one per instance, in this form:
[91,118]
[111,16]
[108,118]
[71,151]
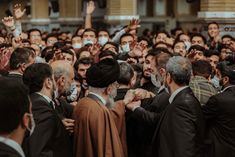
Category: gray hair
[126,73]
[180,69]
[60,71]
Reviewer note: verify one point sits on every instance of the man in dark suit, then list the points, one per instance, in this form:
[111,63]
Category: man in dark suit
[50,137]
[20,59]
[143,119]
[15,117]
[220,115]
[180,130]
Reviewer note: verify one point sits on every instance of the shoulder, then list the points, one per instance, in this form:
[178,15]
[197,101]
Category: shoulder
[6,151]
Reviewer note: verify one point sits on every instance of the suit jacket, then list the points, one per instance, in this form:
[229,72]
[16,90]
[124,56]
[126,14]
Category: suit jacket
[99,132]
[180,130]
[142,122]
[15,77]
[220,123]
[49,139]
[7,151]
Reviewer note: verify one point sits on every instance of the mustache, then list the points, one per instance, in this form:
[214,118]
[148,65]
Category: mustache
[148,70]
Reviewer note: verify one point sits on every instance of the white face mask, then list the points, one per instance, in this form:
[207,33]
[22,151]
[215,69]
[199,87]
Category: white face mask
[126,48]
[32,125]
[103,40]
[73,92]
[188,45]
[156,82]
[77,45]
[87,42]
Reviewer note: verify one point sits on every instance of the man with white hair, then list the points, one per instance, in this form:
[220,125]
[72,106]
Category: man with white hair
[180,130]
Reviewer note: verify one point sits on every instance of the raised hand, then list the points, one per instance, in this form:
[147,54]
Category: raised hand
[134,24]
[8,21]
[90,7]
[18,12]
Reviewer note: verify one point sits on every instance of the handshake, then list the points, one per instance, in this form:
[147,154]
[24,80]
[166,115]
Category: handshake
[133,98]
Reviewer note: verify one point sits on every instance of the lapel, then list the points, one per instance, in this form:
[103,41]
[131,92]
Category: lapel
[95,98]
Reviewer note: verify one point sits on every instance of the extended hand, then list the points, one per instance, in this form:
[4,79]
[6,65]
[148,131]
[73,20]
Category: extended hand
[68,124]
[18,13]
[133,105]
[90,7]
[134,24]
[8,21]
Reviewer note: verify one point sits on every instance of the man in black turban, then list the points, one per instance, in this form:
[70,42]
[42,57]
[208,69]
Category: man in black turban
[100,131]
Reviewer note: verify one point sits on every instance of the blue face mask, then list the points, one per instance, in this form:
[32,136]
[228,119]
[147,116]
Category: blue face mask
[103,40]
[216,82]
[126,48]
[87,42]
[77,45]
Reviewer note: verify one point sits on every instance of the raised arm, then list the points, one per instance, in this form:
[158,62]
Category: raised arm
[89,10]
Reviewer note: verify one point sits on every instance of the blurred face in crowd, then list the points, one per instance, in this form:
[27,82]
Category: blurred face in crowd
[226,40]
[198,55]
[37,49]
[213,30]
[126,43]
[110,47]
[180,49]
[82,69]
[35,37]
[51,41]
[161,37]
[214,60]
[184,38]
[89,37]
[68,58]
[84,54]
[80,31]
[77,42]
[149,67]
[224,53]
[103,37]
[197,40]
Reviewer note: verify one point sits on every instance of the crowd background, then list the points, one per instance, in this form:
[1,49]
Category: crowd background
[64,68]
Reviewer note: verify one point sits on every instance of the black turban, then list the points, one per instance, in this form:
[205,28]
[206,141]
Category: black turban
[103,73]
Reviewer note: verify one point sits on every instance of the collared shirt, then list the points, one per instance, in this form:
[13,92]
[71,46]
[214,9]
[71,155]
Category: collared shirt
[202,89]
[227,88]
[49,100]
[15,72]
[173,95]
[162,87]
[100,97]
[11,143]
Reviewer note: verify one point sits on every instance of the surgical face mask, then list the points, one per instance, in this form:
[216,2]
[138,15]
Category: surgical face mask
[216,82]
[103,40]
[126,48]
[188,45]
[31,125]
[55,93]
[156,81]
[73,96]
[77,45]
[85,42]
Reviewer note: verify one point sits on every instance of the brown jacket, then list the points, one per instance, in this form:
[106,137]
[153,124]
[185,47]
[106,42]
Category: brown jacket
[99,132]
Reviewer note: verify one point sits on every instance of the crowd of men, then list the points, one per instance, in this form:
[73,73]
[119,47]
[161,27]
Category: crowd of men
[96,94]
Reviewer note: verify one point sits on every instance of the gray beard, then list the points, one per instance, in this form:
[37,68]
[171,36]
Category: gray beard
[110,102]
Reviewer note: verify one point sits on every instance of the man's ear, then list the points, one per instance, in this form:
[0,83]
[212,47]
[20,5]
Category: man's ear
[25,120]
[22,67]
[108,90]
[48,83]
[225,80]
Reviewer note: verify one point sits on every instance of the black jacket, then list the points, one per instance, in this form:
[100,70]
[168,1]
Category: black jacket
[220,123]
[49,139]
[180,130]
[7,151]
[142,123]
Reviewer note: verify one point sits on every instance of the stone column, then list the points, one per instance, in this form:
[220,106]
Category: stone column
[121,10]
[70,10]
[39,11]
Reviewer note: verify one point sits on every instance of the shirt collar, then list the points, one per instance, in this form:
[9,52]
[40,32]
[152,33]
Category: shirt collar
[162,87]
[173,95]
[15,72]
[46,97]
[100,97]
[11,143]
[227,88]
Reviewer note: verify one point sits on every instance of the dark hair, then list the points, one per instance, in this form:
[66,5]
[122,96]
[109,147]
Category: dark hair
[111,43]
[35,75]
[67,51]
[126,73]
[213,22]
[85,60]
[34,30]
[106,53]
[78,53]
[58,45]
[103,30]
[198,35]
[209,53]
[45,50]
[89,30]
[176,42]
[143,38]
[227,36]
[197,47]
[162,59]
[202,68]
[227,69]
[50,35]
[126,35]
[49,55]
[20,56]
[156,51]
[164,32]
[14,102]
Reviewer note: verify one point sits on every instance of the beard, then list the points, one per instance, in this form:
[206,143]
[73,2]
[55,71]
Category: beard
[146,77]
[110,102]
